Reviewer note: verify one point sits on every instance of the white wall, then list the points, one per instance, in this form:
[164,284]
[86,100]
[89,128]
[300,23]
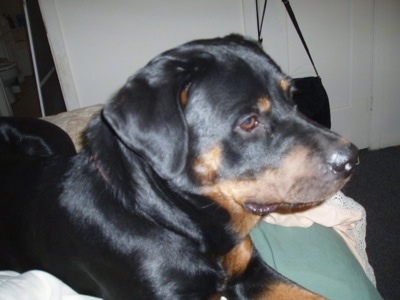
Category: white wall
[100,43]
[355,44]
[339,35]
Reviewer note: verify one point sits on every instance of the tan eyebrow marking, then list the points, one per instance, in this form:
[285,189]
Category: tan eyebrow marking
[284,85]
[264,104]
[184,95]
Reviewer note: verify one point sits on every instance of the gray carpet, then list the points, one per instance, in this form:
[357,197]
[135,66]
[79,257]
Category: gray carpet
[376,186]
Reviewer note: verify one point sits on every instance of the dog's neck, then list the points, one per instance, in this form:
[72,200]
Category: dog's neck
[97,163]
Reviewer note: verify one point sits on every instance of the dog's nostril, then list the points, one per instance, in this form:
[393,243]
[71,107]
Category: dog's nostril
[344,160]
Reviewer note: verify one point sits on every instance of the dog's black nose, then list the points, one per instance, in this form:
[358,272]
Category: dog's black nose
[343,160]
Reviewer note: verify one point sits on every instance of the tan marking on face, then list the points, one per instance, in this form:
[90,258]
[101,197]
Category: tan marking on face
[206,166]
[274,185]
[217,296]
[296,180]
[264,104]
[184,97]
[285,85]
[224,194]
[288,291]
[237,260]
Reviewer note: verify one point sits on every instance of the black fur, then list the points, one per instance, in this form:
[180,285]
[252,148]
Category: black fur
[33,137]
[131,217]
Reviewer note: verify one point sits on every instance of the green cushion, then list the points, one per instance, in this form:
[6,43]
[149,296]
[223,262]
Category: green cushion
[316,258]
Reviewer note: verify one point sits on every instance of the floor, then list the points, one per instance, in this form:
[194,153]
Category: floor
[27,104]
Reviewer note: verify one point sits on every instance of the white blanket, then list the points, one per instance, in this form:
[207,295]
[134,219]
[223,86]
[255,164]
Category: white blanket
[35,285]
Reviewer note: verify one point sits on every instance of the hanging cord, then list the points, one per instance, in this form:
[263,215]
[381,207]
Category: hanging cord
[260,25]
[295,24]
[297,27]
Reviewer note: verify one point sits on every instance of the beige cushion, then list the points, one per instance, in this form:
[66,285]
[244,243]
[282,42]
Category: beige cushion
[74,122]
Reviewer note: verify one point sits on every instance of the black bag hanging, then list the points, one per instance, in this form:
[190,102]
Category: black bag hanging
[309,95]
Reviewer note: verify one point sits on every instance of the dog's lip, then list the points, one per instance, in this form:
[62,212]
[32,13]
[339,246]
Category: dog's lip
[263,209]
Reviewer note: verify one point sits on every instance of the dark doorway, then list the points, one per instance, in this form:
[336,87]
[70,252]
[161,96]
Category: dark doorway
[49,88]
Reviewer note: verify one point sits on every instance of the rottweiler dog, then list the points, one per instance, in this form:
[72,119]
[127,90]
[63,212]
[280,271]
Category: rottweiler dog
[179,166]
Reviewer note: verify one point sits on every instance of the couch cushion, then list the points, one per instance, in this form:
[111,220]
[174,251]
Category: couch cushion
[316,258]
[74,122]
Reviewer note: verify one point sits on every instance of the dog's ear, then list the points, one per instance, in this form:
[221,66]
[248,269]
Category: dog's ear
[147,113]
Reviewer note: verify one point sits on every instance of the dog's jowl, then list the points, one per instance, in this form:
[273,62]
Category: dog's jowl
[179,166]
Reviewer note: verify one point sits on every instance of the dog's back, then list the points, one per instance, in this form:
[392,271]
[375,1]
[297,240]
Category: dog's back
[34,156]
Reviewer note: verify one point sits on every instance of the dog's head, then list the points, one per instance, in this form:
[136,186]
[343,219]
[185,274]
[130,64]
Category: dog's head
[216,117]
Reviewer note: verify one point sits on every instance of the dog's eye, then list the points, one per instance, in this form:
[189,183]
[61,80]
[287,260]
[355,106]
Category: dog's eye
[249,123]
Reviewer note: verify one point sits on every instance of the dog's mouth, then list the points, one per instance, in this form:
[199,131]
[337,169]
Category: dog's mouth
[263,209]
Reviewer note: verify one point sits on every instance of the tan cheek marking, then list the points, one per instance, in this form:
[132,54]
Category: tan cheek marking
[264,104]
[288,291]
[295,180]
[237,260]
[227,195]
[284,85]
[273,186]
[207,165]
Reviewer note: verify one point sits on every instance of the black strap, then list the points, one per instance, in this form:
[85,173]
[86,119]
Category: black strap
[296,25]
[294,21]
[260,25]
